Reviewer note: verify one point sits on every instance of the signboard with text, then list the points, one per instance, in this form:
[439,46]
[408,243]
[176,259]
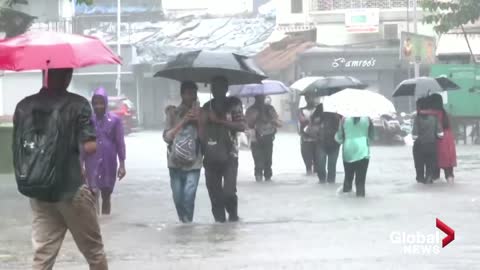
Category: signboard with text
[362,20]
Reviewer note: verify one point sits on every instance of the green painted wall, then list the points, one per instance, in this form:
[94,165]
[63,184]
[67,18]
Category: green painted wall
[464,102]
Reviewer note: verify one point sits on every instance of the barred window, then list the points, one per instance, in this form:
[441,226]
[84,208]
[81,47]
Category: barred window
[323,5]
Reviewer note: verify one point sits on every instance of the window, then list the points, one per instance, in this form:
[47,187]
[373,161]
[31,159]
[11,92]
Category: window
[297,6]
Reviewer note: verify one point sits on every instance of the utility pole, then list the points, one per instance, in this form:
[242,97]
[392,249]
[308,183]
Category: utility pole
[408,16]
[415,30]
[118,83]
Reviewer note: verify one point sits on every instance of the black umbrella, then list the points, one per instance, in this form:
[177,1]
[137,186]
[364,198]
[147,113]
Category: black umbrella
[423,86]
[330,85]
[202,66]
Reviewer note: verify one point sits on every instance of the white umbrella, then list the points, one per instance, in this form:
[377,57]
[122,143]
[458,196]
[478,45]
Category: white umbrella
[358,103]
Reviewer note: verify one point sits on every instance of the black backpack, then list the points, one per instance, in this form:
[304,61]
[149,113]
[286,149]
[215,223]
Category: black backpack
[218,144]
[38,146]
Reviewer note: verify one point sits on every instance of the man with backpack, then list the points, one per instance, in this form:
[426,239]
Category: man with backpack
[263,120]
[184,153]
[50,128]
[222,118]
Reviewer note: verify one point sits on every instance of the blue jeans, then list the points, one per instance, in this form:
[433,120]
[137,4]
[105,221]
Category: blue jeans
[184,189]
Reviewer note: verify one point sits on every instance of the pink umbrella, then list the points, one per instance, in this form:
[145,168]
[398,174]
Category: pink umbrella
[49,50]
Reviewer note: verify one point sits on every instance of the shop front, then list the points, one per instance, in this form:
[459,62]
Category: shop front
[378,66]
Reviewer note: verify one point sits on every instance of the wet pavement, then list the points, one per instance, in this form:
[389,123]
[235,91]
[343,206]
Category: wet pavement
[291,223]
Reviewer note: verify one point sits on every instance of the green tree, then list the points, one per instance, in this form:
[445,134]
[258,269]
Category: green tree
[452,14]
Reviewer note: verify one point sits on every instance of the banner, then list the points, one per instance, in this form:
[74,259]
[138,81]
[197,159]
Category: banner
[417,48]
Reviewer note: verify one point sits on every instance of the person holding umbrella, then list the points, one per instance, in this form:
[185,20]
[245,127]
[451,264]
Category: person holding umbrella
[51,128]
[446,151]
[221,119]
[323,128]
[184,153]
[355,134]
[307,142]
[426,131]
[62,204]
[263,120]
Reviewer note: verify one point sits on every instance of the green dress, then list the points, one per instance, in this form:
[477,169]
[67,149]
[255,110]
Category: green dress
[355,138]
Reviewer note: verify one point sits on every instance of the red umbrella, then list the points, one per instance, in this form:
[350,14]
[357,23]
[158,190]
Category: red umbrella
[48,50]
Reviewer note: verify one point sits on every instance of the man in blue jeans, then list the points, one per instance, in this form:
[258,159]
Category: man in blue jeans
[184,156]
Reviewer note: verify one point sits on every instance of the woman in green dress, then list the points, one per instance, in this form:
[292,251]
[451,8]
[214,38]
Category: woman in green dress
[355,134]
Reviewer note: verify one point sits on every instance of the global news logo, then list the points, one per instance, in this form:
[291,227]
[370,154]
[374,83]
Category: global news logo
[423,244]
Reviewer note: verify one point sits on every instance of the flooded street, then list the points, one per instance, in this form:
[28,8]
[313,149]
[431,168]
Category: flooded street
[291,223]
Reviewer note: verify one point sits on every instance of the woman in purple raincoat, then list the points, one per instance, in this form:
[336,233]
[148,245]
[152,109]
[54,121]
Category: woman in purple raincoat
[101,168]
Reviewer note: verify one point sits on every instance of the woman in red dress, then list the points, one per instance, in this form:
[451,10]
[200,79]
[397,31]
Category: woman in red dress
[446,150]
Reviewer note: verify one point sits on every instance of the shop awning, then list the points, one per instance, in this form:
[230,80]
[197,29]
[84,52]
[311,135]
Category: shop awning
[280,55]
[455,44]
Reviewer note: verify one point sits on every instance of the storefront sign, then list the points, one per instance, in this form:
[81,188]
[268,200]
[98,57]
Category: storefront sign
[362,20]
[354,63]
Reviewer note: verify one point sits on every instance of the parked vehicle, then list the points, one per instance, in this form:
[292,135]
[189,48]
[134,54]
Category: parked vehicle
[389,131]
[125,109]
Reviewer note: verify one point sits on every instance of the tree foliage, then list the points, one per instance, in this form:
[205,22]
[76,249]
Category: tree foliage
[88,2]
[448,15]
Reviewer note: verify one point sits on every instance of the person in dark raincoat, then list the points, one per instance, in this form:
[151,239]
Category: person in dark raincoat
[101,168]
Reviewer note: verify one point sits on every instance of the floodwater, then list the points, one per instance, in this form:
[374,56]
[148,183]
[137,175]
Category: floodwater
[291,223]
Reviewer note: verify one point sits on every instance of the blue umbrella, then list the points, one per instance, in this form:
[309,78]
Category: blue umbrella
[267,88]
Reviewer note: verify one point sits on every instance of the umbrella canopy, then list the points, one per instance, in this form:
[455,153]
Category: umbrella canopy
[423,86]
[267,87]
[358,103]
[202,66]
[325,86]
[49,50]
[304,83]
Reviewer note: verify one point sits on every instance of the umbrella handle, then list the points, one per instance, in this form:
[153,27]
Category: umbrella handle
[45,75]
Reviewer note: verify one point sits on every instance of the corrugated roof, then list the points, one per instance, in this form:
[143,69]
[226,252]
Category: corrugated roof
[282,54]
[244,36]
[158,42]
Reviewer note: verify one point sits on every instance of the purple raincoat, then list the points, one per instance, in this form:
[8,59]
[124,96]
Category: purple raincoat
[101,167]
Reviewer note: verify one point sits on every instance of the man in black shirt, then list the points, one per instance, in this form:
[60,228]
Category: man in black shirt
[73,206]
[221,119]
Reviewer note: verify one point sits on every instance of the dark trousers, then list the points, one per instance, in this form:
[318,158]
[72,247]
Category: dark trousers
[308,155]
[356,170]
[262,151]
[327,162]
[222,189]
[447,171]
[425,158]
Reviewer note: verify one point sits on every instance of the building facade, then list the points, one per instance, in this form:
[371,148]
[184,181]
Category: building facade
[359,38]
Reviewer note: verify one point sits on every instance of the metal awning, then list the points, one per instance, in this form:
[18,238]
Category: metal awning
[455,44]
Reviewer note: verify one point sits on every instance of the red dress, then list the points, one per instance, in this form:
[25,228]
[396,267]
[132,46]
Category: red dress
[446,150]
